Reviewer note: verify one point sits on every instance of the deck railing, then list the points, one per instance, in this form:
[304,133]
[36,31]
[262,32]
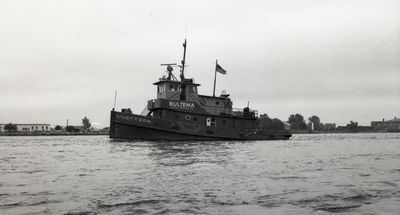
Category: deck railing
[241,113]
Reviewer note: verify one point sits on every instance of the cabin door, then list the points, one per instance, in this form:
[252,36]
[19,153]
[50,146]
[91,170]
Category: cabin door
[183,93]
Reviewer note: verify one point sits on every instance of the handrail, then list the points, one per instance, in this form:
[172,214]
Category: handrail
[240,112]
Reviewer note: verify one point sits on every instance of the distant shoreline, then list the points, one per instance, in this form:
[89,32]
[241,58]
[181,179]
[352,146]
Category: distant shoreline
[338,132]
[10,134]
[53,133]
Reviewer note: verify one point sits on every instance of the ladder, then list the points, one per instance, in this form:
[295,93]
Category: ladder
[145,111]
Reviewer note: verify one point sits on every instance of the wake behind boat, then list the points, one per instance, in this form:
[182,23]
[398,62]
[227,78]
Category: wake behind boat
[180,113]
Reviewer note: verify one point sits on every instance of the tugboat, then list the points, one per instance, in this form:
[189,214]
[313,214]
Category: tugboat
[180,113]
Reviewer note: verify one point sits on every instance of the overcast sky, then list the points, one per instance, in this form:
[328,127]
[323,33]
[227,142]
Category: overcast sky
[339,60]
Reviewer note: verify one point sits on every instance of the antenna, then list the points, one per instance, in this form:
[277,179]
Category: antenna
[183,61]
[115,99]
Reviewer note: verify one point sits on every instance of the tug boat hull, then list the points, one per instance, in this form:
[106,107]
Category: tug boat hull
[137,127]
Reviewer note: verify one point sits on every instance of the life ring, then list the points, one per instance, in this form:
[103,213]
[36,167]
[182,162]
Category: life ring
[208,121]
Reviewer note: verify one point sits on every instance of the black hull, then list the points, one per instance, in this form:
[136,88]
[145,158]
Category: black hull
[129,127]
[130,132]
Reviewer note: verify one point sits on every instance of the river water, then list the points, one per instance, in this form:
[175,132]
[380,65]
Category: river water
[308,174]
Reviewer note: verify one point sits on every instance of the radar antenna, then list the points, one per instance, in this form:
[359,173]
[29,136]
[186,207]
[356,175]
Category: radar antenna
[169,70]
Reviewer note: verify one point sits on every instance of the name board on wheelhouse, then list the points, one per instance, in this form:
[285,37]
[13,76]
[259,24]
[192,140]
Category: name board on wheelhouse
[181,105]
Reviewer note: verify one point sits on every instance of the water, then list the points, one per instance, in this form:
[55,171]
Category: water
[309,174]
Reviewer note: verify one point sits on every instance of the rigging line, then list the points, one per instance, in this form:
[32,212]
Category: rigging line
[201,64]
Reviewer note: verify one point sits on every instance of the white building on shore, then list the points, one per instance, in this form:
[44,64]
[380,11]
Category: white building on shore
[28,127]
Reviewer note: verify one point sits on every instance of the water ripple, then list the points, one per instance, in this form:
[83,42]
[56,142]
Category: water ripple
[309,174]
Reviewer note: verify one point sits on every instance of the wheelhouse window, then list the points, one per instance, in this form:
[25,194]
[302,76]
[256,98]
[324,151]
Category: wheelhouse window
[173,87]
[161,88]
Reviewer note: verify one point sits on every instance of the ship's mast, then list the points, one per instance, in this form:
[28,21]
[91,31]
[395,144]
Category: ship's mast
[183,62]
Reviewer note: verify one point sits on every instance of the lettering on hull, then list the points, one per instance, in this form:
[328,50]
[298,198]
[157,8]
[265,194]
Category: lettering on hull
[182,105]
[134,118]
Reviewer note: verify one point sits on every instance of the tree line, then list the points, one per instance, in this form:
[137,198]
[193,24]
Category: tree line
[298,122]
[86,125]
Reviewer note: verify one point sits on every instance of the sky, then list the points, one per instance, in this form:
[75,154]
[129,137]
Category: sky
[64,59]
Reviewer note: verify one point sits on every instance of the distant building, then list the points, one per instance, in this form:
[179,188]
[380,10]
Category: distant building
[341,129]
[29,127]
[389,125]
[349,129]
[73,128]
[364,128]
[2,127]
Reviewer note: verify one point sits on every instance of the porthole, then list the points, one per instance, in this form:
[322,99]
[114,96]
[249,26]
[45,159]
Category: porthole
[223,121]
[217,103]
[195,118]
[188,117]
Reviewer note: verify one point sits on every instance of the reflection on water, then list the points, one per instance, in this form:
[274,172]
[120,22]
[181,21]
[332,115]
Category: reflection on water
[309,174]
[188,153]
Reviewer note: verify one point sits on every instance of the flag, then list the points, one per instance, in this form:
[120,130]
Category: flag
[219,69]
